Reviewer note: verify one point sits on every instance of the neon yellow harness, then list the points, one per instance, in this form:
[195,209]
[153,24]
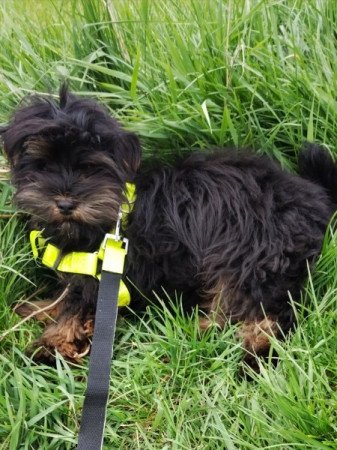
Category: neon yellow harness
[110,255]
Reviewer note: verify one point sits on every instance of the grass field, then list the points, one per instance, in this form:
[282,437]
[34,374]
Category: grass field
[182,74]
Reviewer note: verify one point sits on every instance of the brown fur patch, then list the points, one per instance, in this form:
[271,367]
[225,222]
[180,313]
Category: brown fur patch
[89,327]
[226,302]
[36,146]
[28,308]
[214,305]
[69,336]
[256,334]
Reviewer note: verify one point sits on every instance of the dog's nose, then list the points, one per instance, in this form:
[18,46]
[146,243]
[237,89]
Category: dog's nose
[66,206]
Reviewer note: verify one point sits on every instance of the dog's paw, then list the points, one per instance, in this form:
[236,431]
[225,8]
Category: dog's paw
[43,353]
[68,337]
[255,336]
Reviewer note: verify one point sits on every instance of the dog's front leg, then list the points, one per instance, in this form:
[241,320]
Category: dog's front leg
[70,323]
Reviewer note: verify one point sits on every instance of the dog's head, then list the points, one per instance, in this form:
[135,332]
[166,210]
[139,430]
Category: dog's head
[70,161]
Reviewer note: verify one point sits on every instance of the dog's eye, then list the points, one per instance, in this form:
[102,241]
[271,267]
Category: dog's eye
[88,166]
[41,164]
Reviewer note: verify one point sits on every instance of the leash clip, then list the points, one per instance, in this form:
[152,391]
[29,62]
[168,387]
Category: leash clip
[118,224]
[116,236]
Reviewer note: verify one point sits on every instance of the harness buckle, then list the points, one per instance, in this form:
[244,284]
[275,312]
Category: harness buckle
[117,238]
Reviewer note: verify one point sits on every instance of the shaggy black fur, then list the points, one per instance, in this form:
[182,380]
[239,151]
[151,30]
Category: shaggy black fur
[230,219]
[230,230]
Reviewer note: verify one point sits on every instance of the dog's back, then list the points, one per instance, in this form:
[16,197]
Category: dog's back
[316,164]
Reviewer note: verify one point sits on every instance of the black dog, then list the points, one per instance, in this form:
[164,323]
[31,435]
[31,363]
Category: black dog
[230,230]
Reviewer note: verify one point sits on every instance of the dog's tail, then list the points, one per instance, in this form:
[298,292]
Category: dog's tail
[316,164]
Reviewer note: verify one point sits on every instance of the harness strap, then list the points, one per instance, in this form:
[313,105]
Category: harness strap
[94,409]
[81,263]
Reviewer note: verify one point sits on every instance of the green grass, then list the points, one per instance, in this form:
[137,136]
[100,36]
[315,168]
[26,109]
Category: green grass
[181,73]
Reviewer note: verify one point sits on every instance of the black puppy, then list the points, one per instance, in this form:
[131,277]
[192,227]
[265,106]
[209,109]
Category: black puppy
[230,230]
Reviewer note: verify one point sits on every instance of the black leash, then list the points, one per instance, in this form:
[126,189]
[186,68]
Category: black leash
[94,409]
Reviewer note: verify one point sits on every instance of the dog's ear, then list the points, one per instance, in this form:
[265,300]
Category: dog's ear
[26,122]
[125,149]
